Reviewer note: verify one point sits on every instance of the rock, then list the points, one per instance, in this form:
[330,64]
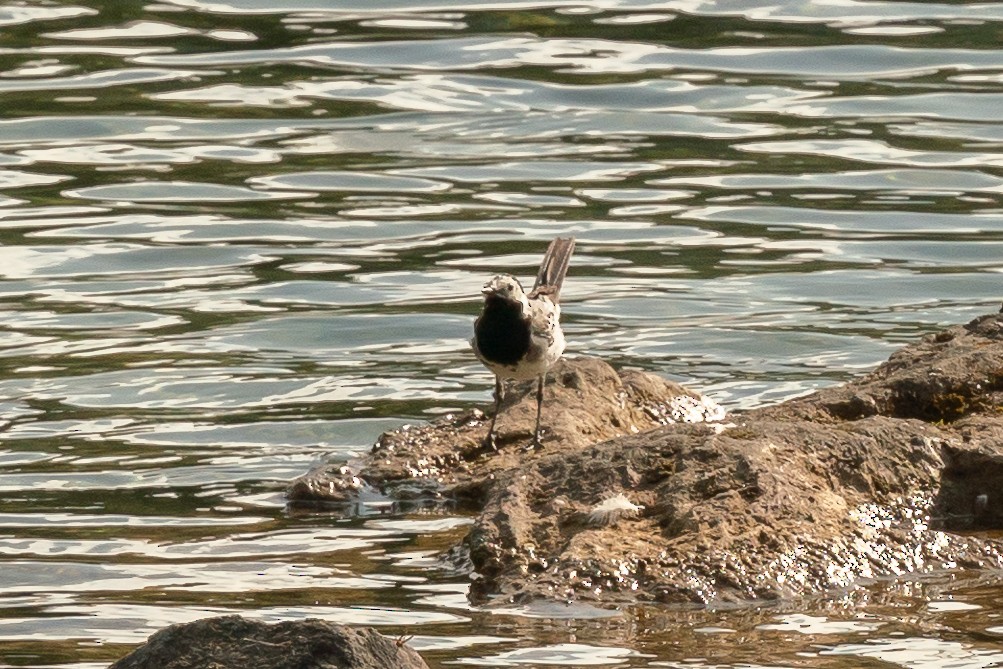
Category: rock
[762,510]
[944,377]
[233,642]
[585,401]
[867,480]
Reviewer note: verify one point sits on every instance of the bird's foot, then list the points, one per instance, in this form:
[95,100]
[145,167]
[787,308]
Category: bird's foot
[537,442]
[490,442]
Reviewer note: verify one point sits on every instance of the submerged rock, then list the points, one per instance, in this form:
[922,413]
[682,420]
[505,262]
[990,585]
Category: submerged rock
[871,479]
[232,642]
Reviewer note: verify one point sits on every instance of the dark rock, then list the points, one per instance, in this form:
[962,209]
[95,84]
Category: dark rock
[232,642]
[871,479]
[971,494]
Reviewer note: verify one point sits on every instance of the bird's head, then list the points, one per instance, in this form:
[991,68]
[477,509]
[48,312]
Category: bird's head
[504,287]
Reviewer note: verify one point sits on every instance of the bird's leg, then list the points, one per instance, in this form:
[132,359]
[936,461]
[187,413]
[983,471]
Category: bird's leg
[536,443]
[489,440]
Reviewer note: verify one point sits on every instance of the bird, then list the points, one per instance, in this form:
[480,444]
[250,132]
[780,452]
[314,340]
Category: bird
[518,334]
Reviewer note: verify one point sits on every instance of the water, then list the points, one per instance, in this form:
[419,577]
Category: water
[237,240]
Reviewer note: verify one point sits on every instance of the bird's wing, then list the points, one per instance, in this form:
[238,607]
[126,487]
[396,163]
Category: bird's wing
[543,317]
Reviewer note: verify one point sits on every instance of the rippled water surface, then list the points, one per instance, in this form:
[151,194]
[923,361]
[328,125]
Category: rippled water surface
[239,237]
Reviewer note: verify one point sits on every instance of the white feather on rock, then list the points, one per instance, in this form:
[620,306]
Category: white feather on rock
[613,509]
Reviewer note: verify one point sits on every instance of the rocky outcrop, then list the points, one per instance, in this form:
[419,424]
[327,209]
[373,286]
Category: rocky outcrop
[232,642]
[630,501]
[586,402]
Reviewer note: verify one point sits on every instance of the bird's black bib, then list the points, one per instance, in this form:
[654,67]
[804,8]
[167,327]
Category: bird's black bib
[502,332]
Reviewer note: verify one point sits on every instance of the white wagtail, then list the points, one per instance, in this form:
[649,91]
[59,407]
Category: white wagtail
[518,335]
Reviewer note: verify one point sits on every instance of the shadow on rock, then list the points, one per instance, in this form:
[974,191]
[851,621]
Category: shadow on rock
[645,492]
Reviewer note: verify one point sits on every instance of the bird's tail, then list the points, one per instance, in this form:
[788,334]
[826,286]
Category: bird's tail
[554,267]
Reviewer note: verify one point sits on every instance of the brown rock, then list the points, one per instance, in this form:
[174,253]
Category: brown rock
[871,479]
[586,401]
[232,642]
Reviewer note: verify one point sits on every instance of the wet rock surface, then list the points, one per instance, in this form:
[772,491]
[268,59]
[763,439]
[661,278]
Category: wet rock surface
[232,642]
[887,475]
